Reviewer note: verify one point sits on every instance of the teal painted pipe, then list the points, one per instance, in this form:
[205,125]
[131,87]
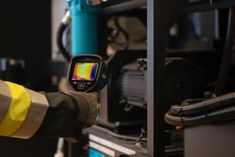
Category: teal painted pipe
[84,27]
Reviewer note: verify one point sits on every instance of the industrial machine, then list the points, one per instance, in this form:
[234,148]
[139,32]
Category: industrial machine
[125,93]
[187,75]
[121,128]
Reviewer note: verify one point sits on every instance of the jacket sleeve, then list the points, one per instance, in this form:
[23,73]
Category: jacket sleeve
[25,113]
[61,119]
[21,110]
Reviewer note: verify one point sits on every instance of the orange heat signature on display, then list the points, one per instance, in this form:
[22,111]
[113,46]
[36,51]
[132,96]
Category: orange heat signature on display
[85,71]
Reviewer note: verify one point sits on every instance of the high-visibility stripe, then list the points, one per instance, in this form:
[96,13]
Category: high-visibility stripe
[35,117]
[5,100]
[17,111]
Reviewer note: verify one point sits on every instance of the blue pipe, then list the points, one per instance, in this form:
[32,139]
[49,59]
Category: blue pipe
[83,28]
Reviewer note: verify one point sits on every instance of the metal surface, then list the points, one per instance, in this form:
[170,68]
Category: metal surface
[116,6]
[217,140]
[155,54]
[160,15]
[120,146]
[206,5]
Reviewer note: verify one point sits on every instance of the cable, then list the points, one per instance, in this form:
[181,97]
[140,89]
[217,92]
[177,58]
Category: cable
[123,31]
[60,146]
[63,25]
[204,106]
[227,54]
[216,109]
[220,115]
[142,134]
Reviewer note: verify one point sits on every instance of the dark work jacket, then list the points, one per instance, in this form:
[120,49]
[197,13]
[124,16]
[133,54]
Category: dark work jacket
[61,119]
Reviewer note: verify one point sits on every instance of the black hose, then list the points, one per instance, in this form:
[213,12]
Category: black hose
[60,44]
[204,106]
[120,29]
[227,54]
[216,116]
[217,109]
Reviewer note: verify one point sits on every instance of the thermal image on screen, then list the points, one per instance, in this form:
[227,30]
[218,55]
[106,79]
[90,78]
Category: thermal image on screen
[85,71]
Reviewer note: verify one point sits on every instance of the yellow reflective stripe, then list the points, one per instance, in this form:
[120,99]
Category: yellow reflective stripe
[18,110]
[5,100]
[35,116]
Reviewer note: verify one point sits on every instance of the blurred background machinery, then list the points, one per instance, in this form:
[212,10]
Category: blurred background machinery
[147,75]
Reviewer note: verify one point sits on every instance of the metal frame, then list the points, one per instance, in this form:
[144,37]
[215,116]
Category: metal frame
[160,15]
[155,54]
[158,22]
[209,5]
[114,6]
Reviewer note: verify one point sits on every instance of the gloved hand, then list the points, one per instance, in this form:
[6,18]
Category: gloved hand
[88,107]
[87,102]
[68,114]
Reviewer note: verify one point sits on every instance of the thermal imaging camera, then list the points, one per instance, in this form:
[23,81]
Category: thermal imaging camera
[87,73]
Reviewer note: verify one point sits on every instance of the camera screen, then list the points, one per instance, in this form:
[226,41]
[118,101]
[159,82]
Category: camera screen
[85,72]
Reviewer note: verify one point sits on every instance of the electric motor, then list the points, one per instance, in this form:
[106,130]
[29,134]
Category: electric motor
[183,80]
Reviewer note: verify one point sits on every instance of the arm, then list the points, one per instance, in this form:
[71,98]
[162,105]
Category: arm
[25,113]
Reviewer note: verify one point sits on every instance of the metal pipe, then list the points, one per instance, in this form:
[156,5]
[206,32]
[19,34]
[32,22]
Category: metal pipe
[84,27]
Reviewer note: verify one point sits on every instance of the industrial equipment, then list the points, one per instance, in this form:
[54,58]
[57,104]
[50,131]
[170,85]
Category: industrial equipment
[126,92]
[83,19]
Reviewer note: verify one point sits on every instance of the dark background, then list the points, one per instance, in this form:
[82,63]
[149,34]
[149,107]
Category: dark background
[25,33]
[25,30]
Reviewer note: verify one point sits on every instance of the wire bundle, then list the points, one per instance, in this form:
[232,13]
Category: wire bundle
[216,109]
